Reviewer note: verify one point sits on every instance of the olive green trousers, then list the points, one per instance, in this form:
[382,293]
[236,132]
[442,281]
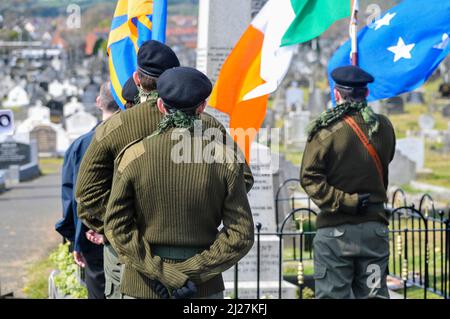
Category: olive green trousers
[351,261]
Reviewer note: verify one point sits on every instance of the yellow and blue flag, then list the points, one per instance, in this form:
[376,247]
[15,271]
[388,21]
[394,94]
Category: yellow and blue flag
[134,22]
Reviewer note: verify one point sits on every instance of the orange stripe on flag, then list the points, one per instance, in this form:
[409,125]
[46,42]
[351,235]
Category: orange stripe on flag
[240,74]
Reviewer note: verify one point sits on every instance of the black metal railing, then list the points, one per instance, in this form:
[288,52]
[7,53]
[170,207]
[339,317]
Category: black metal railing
[419,240]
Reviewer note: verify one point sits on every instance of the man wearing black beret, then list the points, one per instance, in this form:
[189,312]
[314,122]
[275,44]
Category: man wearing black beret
[171,245]
[111,137]
[345,172]
[130,93]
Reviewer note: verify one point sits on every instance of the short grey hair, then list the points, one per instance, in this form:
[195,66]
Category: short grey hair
[107,101]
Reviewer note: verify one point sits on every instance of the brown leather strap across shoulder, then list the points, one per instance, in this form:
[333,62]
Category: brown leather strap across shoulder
[365,141]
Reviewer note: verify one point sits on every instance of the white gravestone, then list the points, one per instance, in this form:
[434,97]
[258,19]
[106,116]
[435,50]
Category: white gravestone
[80,123]
[72,107]
[17,97]
[414,149]
[39,112]
[296,126]
[56,89]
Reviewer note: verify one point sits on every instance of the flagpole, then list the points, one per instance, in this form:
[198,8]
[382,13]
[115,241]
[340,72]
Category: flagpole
[354,32]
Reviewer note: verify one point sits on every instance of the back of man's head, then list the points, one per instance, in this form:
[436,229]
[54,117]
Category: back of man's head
[106,100]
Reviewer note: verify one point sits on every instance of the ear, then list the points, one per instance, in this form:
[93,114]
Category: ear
[202,108]
[337,95]
[136,79]
[367,93]
[98,103]
[161,107]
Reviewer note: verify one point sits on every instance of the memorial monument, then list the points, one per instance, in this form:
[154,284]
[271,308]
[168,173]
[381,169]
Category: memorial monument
[221,24]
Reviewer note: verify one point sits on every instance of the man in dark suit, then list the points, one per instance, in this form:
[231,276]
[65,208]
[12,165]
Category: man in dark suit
[87,245]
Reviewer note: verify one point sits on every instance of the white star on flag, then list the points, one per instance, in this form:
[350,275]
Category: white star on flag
[386,20]
[444,43]
[401,50]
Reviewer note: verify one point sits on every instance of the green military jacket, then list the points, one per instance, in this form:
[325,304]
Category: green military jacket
[111,137]
[190,199]
[337,167]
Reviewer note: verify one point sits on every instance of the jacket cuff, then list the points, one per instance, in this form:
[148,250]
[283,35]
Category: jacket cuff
[174,279]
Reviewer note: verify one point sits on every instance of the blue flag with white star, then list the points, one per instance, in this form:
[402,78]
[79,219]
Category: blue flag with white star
[402,48]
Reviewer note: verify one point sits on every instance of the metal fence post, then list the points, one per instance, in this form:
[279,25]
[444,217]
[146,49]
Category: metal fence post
[258,257]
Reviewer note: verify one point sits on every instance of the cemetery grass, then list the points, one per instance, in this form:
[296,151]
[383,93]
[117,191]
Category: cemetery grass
[50,166]
[36,286]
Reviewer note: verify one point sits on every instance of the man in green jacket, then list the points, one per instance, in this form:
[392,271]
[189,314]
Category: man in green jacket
[112,136]
[173,239]
[345,172]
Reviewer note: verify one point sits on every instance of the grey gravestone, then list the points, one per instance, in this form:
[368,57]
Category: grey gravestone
[402,170]
[447,140]
[317,102]
[19,160]
[231,18]
[446,111]
[414,149]
[2,182]
[297,124]
[46,138]
[395,105]
[426,122]
[294,97]
[216,19]
[415,97]
[263,165]
[13,153]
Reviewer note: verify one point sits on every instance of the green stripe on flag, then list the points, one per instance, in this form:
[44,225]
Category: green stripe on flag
[314,17]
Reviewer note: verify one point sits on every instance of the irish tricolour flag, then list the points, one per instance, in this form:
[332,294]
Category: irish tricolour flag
[261,58]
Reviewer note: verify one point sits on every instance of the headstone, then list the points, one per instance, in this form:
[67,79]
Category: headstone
[426,122]
[46,140]
[294,97]
[395,105]
[446,111]
[73,107]
[56,89]
[415,97]
[414,149]
[17,97]
[13,153]
[216,19]
[263,165]
[402,170]
[296,126]
[39,112]
[80,123]
[231,18]
[18,160]
[317,102]
[2,181]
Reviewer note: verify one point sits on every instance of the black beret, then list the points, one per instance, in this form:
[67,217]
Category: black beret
[183,88]
[130,91]
[351,76]
[155,57]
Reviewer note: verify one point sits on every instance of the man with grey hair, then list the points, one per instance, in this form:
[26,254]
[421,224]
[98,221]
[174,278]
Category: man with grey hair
[87,245]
